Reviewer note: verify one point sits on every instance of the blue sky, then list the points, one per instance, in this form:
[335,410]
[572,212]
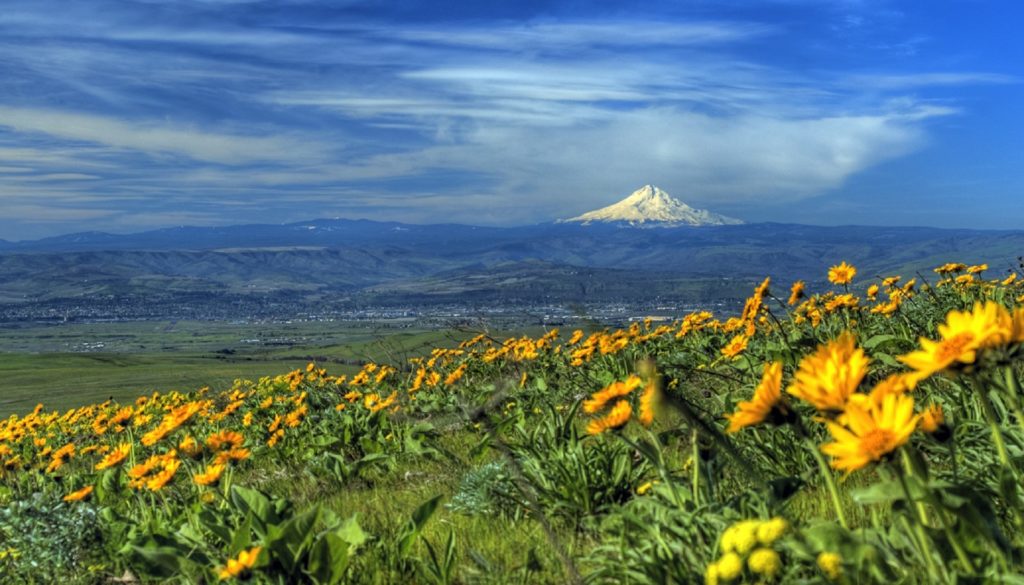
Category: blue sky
[122,116]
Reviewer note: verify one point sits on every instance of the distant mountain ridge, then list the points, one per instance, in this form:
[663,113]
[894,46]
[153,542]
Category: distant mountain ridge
[650,206]
[385,259]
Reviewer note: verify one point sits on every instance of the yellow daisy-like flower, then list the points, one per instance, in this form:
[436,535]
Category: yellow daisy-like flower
[119,454]
[618,416]
[932,418]
[729,566]
[741,537]
[764,561]
[893,384]
[847,301]
[647,403]
[772,530]
[79,495]
[711,576]
[210,475]
[827,378]
[767,397]
[159,480]
[950,267]
[735,346]
[614,390]
[796,292]
[242,565]
[1016,325]
[190,447]
[962,335]
[869,433]
[831,564]
[841,274]
[225,439]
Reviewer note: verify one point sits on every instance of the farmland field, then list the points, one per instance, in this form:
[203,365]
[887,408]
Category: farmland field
[72,365]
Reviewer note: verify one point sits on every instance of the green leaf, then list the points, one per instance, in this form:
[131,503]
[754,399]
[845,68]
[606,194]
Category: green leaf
[160,561]
[290,540]
[418,520]
[826,536]
[887,360]
[212,522]
[425,511]
[328,559]
[877,493]
[255,503]
[352,533]
[877,340]
[242,537]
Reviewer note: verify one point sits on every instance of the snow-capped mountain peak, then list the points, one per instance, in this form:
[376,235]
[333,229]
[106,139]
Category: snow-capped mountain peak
[649,206]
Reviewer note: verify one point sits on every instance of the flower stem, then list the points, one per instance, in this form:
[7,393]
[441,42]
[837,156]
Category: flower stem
[695,456]
[830,482]
[940,513]
[993,423]
[922,536]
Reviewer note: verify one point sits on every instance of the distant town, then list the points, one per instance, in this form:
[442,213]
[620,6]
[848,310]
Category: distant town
[280,308]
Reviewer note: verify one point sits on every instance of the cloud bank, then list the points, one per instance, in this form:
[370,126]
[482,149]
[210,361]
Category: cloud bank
[218,112]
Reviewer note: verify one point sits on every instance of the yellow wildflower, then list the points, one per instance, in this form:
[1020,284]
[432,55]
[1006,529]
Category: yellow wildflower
[79,495]
[210,475]
[730,566]
[831,564]
[614,390]
[932,418]
[841,274]
[735,346]
[114,457]
[772,530]
[158,481]
[618,416]
[224,439]
[827,378]
[870,432]
[711,576]
[647,400]
[764,561]
[962,334]
[242,565]
[767,397]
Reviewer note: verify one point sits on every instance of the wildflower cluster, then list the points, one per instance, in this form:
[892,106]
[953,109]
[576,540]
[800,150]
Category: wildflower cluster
[738,417]
[747,549]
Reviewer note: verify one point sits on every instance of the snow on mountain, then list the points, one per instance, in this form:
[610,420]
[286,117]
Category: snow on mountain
[649,206]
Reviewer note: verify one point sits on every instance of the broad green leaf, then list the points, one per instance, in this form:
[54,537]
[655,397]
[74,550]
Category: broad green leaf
[877,340]
[256,503]
[877,493]
[352,533]
[161,561]
[242,537]
[290,540]
[328,559]
[425,511]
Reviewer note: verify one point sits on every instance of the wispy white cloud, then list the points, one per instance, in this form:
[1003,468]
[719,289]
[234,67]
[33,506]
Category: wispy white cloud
[157,139]
[919,80]
[551,35]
